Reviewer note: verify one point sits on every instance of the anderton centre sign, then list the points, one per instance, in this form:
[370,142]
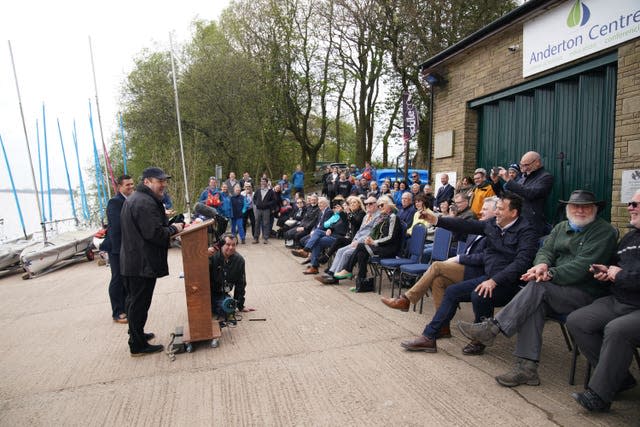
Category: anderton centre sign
[575,29]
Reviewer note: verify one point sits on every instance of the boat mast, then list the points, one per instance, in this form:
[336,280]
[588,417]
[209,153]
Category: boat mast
[26,138]
[104,147]
[175,91]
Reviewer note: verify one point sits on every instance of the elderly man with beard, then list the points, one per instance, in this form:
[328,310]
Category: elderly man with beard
[608,331]
[559,282]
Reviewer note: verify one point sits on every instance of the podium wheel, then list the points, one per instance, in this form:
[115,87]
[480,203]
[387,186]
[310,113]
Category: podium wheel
[188,348]
[215,343]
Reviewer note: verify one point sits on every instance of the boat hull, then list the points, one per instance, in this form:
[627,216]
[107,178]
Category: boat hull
[41,256]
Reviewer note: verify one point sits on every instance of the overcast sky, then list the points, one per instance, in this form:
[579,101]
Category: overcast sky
[50,42]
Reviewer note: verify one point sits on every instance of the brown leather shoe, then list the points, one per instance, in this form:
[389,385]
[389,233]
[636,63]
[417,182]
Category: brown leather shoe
[311,270]
[401,303]
[420,343]
[300,253]
[474,348]
[444,332]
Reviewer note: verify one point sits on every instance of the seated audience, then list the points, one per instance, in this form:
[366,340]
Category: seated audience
[608,330]
[510,248]
[558,282]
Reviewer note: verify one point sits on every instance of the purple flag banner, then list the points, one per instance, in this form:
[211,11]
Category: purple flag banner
[409,116]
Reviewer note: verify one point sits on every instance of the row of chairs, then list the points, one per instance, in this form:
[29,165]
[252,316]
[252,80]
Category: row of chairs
[402,270]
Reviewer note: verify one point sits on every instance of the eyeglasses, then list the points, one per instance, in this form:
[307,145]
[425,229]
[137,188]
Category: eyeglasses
[633,204]
[370,203]
[414,176]
[381,205]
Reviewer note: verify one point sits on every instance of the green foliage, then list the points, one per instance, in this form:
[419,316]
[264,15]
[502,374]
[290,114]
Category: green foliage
[275,83]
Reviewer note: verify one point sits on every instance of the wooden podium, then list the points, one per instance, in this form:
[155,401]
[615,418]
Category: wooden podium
[195,262]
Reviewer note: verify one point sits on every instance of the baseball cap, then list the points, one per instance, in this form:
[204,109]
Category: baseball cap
[154,172]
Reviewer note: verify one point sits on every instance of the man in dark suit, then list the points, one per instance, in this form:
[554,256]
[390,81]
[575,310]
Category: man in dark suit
[264,201]
[445,193]
[146,235]
[534,186]
[111,245]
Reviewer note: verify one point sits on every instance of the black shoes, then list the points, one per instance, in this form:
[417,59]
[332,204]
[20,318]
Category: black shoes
[591,401]
[149,349]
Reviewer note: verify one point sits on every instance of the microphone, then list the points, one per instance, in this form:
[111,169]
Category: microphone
[204,210]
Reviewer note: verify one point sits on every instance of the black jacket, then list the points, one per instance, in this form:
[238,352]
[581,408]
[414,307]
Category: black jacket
[508,254]
[355,221]
[310,218]
[145,235]
[270,201]
[626,288]
[111,243]
[534,189]
[227,275]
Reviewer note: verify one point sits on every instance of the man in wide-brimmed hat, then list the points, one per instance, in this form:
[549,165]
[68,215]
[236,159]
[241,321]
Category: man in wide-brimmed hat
[559,282]
[607,331]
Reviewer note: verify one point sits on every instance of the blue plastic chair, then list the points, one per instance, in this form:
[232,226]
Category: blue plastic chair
[391,266]
[441,245]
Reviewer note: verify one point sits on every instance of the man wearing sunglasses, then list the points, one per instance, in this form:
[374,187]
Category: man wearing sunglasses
[608,330]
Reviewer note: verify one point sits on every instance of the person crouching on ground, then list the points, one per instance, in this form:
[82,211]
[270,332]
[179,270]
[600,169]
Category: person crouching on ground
[227,273]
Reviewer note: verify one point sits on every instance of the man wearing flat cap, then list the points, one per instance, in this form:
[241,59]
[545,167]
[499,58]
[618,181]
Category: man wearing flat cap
[146,235]
[559,282]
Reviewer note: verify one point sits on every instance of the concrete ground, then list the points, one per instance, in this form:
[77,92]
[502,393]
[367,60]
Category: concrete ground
[323,356]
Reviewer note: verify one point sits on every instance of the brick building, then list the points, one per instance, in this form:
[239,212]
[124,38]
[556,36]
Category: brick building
[558,77]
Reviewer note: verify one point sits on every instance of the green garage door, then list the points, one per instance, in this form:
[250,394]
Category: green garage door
[567,117]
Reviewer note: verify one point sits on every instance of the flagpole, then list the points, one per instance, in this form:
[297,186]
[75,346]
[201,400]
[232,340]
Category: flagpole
[107,167]
[175,91]
[26,138]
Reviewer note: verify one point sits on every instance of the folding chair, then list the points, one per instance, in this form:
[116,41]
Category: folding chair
[391,266]
[441,245]
[376,268]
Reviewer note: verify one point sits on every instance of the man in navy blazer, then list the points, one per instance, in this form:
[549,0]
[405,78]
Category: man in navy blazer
[111,245]
[445,193]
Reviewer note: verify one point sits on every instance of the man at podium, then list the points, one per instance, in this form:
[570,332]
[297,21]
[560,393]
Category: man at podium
[226,273]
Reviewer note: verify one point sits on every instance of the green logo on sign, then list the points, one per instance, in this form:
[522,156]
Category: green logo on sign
[578,15]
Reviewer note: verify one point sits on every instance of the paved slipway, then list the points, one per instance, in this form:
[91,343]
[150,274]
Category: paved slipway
[324,356]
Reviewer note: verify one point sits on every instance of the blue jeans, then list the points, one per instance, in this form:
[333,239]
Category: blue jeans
[322,243]
[237,227]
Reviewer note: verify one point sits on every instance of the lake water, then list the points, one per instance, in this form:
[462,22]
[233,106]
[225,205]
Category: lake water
[11,227]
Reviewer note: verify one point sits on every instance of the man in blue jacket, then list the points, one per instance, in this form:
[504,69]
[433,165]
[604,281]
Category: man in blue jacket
[297,179]
[510,247]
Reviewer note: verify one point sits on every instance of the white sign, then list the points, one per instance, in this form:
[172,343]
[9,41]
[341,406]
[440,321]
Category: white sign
[630,184]
[575,29]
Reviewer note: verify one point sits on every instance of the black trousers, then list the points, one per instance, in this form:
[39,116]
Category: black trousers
[117,294]
[139,293]
[361,258]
